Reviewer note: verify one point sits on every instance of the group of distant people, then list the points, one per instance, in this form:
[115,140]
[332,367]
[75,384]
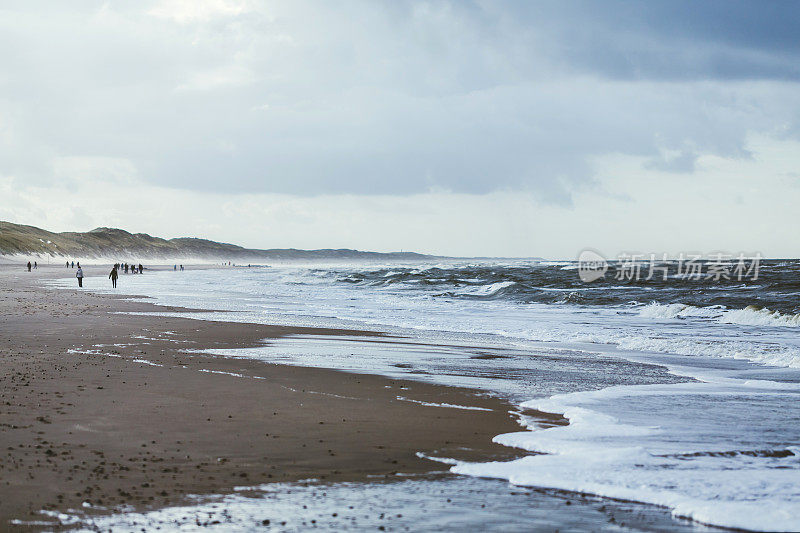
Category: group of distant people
[124,267]
[113,275]
[134,269]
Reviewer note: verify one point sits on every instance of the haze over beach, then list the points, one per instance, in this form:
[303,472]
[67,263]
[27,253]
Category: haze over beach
[413,265]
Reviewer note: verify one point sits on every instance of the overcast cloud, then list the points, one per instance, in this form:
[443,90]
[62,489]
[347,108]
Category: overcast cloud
[390,99]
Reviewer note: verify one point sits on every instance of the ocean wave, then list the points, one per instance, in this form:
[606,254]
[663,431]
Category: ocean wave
[752,315]
[755,316]
[777,289]
[765,354]
[555,263]
[486,290]
[572,297]
[678,310]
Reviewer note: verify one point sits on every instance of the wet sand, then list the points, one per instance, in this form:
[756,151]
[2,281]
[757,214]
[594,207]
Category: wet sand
[114,409]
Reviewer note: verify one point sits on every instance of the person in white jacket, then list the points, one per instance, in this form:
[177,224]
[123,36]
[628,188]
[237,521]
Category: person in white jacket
[79,275]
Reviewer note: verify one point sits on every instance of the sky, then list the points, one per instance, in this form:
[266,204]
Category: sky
[469,128]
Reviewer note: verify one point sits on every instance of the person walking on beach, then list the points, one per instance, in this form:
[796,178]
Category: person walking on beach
[67,264]
[35,265]
[29,266]
[73,264]
[79,275]
[113,276]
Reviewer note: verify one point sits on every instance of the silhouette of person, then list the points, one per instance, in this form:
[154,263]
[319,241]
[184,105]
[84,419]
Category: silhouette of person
[113,276]
[29,266]
[79,275]
[35,265]
[141,268]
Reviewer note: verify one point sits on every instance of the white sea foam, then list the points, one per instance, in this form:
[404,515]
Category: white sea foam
[753,316]
[677,310]
[448,405]
[630,443]
[749,316]
[487,290]
[763,353]
[232,374]
[146,362]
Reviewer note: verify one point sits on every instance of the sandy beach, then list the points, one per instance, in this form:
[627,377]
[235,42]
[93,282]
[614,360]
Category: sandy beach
[102,407]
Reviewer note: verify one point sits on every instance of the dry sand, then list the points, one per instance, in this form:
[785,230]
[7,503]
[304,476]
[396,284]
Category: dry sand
[145,423]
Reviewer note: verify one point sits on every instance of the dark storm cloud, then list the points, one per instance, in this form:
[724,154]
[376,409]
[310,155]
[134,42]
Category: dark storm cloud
[675,40]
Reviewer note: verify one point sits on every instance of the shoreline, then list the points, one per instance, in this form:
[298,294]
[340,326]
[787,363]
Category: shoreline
[110,409]
[376,446]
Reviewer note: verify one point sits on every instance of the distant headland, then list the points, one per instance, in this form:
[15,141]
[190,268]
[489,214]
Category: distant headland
[112,243]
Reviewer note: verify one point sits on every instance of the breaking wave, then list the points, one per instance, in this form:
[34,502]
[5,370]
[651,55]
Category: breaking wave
[752,315]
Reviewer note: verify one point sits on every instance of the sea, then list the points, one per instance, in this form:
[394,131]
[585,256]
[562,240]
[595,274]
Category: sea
[682,392]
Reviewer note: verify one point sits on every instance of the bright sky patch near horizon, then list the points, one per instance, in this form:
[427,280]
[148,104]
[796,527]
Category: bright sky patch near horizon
[462,128]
